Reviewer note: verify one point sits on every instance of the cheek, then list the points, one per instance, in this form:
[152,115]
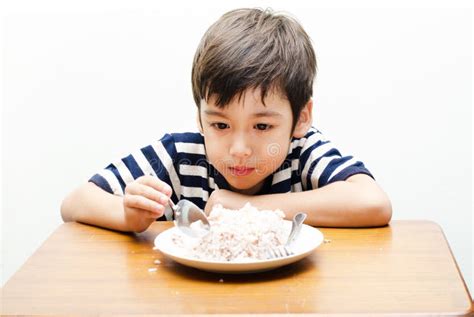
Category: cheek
[272,155]
[214,150]
[277,147]
[273,150]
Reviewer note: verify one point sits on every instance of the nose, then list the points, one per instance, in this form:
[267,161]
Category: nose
[240,147]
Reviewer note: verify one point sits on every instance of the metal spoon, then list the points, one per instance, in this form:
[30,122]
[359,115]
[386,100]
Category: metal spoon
[187,213]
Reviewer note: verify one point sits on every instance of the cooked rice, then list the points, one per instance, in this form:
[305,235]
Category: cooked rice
[237,235]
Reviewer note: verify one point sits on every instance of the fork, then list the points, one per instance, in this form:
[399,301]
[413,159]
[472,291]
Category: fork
[280,251]
[285,250]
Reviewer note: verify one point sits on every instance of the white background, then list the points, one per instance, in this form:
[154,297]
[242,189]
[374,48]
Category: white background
[90,81]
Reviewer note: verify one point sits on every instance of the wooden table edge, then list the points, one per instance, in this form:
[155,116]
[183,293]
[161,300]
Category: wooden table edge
[471,309]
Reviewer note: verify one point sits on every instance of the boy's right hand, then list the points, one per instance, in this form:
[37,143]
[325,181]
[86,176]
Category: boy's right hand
[144,201]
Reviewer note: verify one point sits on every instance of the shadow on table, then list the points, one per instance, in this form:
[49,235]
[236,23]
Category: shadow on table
[278,273]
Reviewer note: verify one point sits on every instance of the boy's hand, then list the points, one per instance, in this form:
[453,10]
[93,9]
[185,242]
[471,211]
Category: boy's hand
[227,199]
[144,201]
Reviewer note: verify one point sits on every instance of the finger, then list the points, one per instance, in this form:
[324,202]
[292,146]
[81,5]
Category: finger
[149,214]
[143,203]
[156,183]
[146,191]
[207,209]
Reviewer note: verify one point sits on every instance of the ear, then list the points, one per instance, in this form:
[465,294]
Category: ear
[304,121]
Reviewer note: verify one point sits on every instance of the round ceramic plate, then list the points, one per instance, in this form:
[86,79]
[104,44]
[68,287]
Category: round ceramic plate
[308,240]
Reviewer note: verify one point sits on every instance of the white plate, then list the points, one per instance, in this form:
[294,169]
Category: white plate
[308,240]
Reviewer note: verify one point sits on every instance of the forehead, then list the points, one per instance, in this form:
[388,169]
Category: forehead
[250,101]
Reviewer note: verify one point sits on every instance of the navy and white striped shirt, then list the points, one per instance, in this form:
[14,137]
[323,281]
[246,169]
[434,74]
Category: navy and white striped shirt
[179,159]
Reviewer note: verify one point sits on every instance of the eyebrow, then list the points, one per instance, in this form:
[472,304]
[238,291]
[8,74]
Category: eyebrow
[267,113]
[215,113]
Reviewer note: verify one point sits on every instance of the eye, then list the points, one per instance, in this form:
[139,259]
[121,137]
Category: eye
[220,126]
[263,126]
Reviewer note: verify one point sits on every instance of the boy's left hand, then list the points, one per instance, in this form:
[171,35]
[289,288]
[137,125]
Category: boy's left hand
[227,199]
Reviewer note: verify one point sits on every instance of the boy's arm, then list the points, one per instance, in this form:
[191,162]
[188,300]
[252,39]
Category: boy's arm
[356,202]
[144,201]
[90,204]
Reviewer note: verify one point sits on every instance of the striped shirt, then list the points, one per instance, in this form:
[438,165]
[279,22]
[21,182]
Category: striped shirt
[179,159]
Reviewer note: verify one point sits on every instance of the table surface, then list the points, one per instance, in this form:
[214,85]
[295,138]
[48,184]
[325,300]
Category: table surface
[406,268]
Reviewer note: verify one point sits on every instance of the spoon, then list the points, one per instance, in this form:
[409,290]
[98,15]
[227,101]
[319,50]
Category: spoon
[186,214]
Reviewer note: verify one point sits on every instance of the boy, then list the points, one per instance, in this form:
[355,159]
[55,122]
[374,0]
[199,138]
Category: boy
[252,81]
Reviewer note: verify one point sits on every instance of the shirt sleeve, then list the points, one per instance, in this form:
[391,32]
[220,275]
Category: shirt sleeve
[321,163]
[156,159]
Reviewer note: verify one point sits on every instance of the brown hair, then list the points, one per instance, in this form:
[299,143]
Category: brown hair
[254,48]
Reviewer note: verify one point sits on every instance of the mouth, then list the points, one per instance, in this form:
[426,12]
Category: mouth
[241,170]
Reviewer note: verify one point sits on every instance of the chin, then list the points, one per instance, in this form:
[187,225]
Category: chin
[244,188]
[240,183]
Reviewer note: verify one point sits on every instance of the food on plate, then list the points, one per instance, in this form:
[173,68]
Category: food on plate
[241,235]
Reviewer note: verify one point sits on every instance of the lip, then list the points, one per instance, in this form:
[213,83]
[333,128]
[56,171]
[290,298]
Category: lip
[241,170]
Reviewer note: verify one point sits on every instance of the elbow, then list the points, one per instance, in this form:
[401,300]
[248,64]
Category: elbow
[64,214]
[67,208]
[380,211]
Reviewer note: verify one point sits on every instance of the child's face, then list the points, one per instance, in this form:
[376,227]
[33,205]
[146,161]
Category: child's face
[247,141]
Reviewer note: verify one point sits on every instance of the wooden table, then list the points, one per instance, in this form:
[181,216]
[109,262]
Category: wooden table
[406,268]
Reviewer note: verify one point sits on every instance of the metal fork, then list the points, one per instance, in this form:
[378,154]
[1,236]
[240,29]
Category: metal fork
[280,251]
[285,250]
